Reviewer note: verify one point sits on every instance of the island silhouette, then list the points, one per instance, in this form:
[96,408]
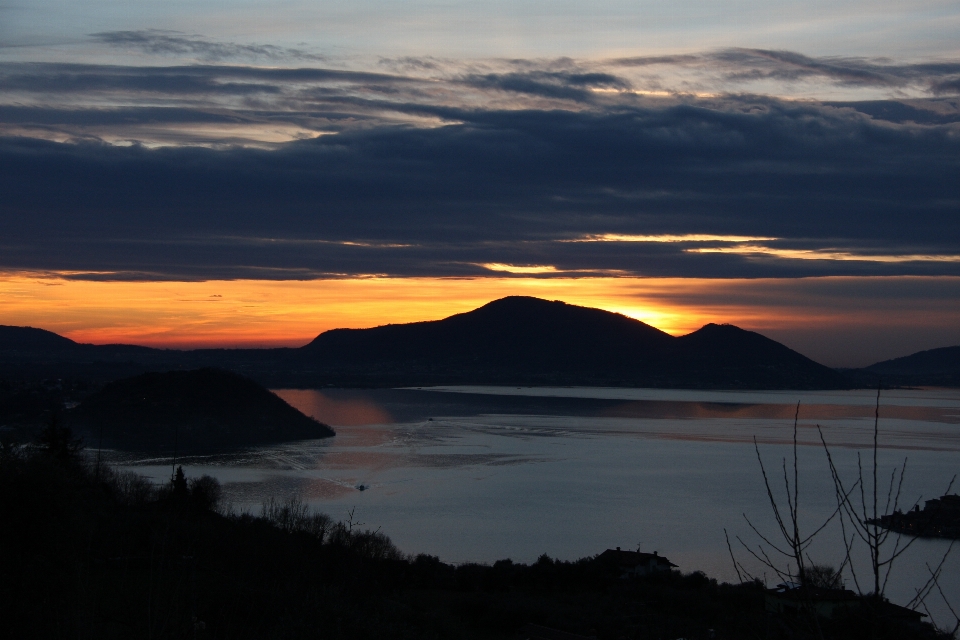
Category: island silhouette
[198,411]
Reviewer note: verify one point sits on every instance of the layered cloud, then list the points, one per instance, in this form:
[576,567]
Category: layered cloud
[700,165]
[166,42]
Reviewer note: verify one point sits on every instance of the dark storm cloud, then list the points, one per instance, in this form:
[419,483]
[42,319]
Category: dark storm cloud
[178,43]
[412,63]
[787,65]
[574,79]
[791,66]
[946,87]
[549,84]
[513,164]
[499,187]
[67,79]
[746,65]
[113,116]
[646,61]
[901,112]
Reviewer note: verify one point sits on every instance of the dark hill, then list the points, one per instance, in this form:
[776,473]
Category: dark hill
[202,410]
[734,357]
[943,360]
[934,367]
[521,340]
[505,338]
[30,339]
[29,355]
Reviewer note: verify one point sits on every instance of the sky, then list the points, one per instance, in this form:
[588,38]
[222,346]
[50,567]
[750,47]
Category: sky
[232,173]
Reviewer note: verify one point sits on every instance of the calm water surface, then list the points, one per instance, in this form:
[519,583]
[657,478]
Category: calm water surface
[483,473]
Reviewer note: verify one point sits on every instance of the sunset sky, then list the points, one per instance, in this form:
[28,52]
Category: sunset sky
[240,173]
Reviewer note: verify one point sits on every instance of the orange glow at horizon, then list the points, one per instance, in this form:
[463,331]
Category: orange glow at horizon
[226,313]
[262,313]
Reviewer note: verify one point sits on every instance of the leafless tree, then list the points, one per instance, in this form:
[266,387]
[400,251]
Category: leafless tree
[863,515]
[788,557]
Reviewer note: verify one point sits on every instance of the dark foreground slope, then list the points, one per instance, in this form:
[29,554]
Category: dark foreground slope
[515,340]
[201,410]
[520,340]
[97,555]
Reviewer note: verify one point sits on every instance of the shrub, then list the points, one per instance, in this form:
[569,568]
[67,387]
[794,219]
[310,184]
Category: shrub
[205,492]
[130,488]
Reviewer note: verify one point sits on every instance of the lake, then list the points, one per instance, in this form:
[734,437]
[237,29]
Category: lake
[484,473]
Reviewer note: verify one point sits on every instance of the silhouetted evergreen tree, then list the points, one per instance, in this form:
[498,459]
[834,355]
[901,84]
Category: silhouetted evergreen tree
[57,441]
[179,485]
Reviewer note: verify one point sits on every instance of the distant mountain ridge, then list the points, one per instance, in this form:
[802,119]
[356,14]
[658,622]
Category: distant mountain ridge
[514,340]
[942,360]
[31,339]
[933,367]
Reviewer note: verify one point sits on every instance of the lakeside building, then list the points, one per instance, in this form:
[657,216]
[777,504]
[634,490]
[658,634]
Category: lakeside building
[635,564]
[793,600]
[939,518]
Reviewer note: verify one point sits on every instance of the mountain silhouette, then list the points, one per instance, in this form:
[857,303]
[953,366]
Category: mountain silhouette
[942,360]
[516,333]
[933,367]
[514,340]
[725,356]
[524,340]
[31,339]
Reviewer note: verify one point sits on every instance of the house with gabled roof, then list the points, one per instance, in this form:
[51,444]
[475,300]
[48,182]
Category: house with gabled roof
[793,599]
[635,564]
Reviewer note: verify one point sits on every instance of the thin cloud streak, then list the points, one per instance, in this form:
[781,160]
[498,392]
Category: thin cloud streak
[689,237]
[824,254]
[522,269]
[550,270]
[166,42]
